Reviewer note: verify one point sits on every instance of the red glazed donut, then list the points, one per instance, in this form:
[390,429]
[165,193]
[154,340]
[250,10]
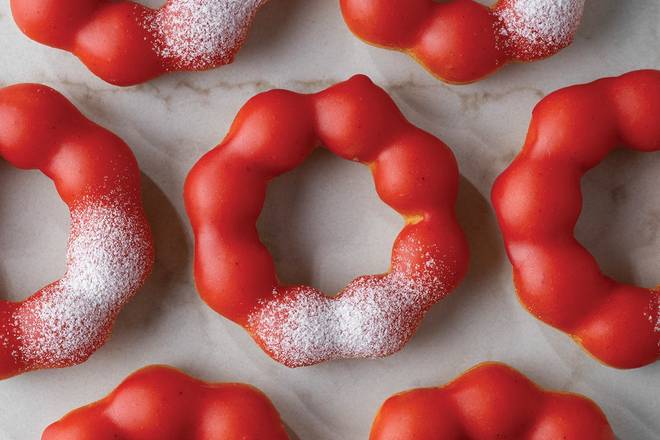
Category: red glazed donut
[538,202]
[162,403]
[415,173]
[490,401]
[125,43]
[461,41]
[109,253]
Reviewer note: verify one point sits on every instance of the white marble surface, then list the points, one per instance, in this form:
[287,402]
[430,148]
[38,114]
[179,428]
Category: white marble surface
[326,225]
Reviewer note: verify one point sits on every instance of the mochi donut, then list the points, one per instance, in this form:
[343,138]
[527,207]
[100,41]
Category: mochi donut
[415,173]
[462,41]
[109,252]
[160,402]
[538,202]
[490,401]
[125,43]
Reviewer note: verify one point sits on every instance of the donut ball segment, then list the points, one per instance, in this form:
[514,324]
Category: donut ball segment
[415,173]
[490,401]
[160,402]
[125,43]
[462,41]
[109,253]
[538,202]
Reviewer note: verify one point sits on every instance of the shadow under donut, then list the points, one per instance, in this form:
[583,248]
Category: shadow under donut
[477,218]
[172,263]
[289,431]
[270,25]
[603,18]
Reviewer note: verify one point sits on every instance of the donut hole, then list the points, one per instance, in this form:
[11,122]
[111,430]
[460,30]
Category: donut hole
[620,221]
[34,228]
[325,224]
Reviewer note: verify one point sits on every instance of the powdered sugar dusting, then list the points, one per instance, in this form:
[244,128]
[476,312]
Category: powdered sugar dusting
[653,314]
[201,34]
[374,316]
[108,257]
[537,28]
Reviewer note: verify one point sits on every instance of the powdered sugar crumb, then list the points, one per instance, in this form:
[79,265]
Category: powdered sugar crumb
[537,28]
[108,257]
[200,34]
[374,316]
[653,313]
